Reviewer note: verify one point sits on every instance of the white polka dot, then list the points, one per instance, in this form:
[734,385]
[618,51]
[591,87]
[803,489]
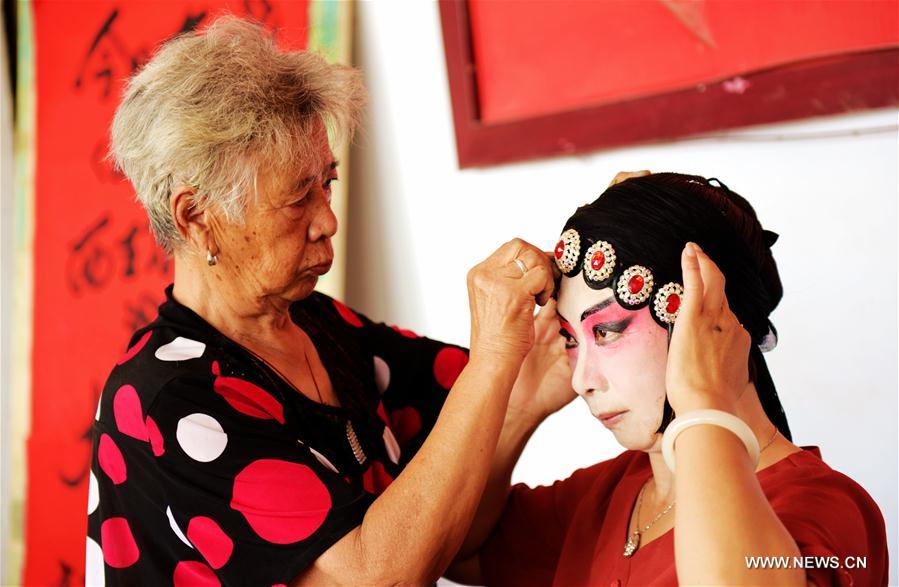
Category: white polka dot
[324,460]
[201,437]
[175,528]
[94,575]
[99,402]
[93,495]
[393,448]
[382,374]
[180,349]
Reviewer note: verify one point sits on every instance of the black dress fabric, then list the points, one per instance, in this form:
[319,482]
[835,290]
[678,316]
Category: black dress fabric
[209,469]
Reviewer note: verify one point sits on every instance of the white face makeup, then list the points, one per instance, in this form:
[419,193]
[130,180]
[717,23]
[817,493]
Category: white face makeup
[618,360]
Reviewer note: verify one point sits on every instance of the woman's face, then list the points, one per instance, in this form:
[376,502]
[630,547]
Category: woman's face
[284,243]
[618,360]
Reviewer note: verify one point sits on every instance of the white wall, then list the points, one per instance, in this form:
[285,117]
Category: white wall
[417,223]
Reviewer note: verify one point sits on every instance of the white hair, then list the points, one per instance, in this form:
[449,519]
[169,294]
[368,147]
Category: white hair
[214,107]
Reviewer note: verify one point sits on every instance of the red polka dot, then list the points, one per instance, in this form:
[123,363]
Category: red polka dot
[283,502]
[406,333]
[382,413]
[405,423]
[194,574]
[111,460]
[248,398]
[129,417]
[375,480]
[212,542]
[119,548]
[347,314]
[448,364]
[156,442]
[130,353]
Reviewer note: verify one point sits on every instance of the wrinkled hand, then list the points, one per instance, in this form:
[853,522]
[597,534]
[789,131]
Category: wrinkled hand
[502,298]
[709,352]
[543,386]
[623,175]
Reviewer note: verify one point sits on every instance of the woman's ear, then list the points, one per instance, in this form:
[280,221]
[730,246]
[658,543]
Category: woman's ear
[192,222]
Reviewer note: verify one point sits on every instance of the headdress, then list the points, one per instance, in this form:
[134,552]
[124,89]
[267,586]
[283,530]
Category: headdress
[634,286]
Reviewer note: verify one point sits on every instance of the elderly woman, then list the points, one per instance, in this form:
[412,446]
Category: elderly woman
[668,284]
[257,432]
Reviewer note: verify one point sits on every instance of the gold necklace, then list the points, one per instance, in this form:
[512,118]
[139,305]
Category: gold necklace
[770,441]
[633,540]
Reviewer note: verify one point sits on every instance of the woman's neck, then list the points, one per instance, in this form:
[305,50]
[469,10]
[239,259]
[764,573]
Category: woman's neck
[750,410]
[236,312]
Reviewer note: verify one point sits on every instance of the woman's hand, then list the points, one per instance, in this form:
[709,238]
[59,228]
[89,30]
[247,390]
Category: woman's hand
[501,298]
[543,386]
[623,175]
[709,353]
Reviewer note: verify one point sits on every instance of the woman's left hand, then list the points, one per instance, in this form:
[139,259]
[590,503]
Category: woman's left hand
[544,381]
[709,353]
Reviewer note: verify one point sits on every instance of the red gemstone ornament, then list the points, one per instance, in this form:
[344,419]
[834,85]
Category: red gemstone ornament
[673,304]
[635,284]
[601,261]
[568,250]
[667,302]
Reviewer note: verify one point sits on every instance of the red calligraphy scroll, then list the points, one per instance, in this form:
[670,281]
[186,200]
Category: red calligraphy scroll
[98,275]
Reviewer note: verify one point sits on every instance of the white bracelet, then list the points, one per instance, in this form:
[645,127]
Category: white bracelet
[715,418]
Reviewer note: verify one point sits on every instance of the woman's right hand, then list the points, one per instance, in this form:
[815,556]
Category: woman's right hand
[502,297]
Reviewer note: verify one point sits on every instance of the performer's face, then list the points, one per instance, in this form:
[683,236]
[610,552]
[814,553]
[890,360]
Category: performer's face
[618,360]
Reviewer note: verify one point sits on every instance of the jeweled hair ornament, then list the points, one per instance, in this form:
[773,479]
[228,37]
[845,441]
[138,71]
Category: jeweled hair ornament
[634,285]
[667,302]
[568,251]
[599,261]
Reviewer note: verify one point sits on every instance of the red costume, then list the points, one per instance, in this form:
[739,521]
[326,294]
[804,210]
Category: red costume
[573,532]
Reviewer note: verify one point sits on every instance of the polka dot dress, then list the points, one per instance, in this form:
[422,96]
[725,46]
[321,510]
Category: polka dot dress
[209,469]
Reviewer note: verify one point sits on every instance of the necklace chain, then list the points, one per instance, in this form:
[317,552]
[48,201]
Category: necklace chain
[285,379]
[633,539]
[312,373]
[655,519]
[770,440]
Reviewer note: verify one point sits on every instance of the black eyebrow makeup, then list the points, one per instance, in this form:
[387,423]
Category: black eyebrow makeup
[596,308]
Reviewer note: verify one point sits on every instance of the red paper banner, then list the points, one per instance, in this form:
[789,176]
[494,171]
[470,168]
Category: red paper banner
[98,275]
